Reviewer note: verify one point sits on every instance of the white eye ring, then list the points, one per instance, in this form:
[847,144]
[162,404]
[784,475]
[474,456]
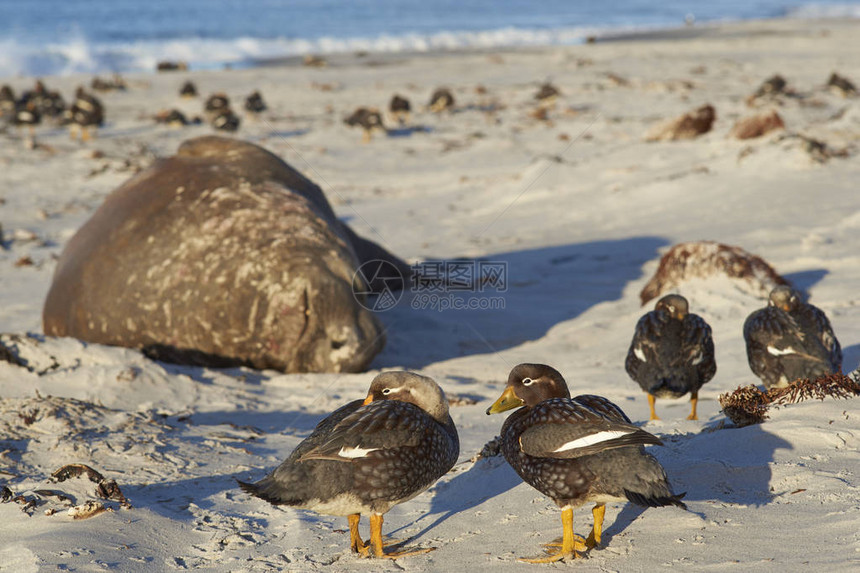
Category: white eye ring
[527,381]
[387,391]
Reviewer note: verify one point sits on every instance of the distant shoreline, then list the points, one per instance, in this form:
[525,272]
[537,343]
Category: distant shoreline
[708,29]
[722,29]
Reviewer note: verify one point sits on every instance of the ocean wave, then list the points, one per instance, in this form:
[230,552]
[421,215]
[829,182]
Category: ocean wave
[812,11]
[76,55]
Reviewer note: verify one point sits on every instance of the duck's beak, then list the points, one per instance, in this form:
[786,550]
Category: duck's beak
[368,400]
[507,401]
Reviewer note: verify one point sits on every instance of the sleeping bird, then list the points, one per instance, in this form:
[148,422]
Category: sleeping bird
[369,456]
[790,339]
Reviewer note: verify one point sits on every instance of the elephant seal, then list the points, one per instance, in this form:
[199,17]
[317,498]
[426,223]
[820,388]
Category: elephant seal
[222,255]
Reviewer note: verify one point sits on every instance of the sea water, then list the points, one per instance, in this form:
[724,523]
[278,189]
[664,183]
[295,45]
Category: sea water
[44,37]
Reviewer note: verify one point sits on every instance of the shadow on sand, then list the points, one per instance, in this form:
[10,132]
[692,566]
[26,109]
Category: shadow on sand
[730,466]
[484,480]
[542,287]
[850,357]
[805,280]
[283,134]
[408,130]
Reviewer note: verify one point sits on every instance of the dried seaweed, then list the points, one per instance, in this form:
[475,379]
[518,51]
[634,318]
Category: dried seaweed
[28,503]
[745,406]
[109,489]
[749,405]
[830,386]
[76,470]
[704,259]
[105,489]
[491,449]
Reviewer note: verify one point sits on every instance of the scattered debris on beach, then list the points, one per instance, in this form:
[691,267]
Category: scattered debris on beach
[749,405]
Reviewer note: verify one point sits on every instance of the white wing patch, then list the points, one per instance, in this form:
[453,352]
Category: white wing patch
[604,436]
[639,354]
[698,359]
[352,453]
[780,352]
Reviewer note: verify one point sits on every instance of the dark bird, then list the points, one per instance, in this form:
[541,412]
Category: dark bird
[441,100]
[775,84]
[841,85]
[369,456]
[46,102]
[366,118]
[169,66]
[547,94]
[400,107]
[188,90]
[27,114]
[254,103]
[86,112]
[225,120]
[216,103]
[575,451]
[53,105]
[172,118]
[7,101]
[35,95]
[672,353]
[790,339]
[115,83]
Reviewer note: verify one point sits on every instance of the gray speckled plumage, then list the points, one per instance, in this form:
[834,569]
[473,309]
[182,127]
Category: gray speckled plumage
[790,339]
[619,473]
[672,351]
[577,450]
[366,458]
[557,422]
[618,468]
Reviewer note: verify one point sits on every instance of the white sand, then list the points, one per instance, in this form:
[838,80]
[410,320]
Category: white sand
[581,223]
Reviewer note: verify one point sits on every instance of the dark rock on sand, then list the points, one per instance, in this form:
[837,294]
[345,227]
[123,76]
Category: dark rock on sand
[688,126]
[703,259]
[757,125]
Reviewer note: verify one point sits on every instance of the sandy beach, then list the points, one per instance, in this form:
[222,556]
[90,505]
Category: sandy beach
[577,205]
